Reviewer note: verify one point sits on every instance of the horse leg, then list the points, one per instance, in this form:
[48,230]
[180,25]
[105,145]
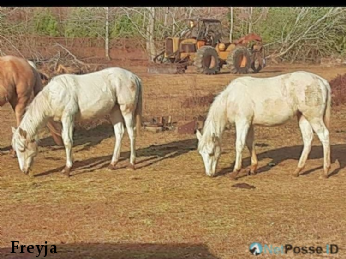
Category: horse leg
[67,137]
[129,121]
[251,146]
[242,128]
[118,125]
[307,135]
[323,134]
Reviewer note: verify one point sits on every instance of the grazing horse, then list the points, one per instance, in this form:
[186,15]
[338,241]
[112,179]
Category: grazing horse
[114,91]
[249,101]
[19,83]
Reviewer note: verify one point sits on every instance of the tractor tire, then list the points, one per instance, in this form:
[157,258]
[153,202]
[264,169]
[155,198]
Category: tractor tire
[207,61]
[235,58]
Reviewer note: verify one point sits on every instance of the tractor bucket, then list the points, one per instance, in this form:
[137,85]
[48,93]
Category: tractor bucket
[172,68]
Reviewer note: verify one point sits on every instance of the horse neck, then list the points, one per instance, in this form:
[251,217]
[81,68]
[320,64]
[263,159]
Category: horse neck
[217,117]
[36,115]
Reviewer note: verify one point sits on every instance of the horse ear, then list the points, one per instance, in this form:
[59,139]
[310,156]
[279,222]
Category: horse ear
[198,134]
[22,132]
[13,130]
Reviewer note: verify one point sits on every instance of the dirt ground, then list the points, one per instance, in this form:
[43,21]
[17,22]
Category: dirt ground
[168,207]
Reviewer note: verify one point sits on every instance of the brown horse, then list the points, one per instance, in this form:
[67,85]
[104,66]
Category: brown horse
[19,84]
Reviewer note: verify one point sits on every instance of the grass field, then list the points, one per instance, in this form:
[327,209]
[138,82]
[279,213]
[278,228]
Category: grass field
[168,207]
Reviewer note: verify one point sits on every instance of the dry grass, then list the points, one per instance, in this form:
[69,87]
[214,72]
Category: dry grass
[338,85]
[168,207]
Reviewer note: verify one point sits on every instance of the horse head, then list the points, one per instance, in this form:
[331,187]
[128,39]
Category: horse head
[26,149]
[209,147]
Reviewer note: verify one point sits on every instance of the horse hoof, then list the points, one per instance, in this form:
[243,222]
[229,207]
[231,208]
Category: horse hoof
[296,173]
[325,176]
[248,171]
[66,171]
[13,154]
[112,167]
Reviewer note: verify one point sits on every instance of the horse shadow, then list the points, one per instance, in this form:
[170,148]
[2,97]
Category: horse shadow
[157,153]
[146,156]
[116,250]
[83,136]
[279,155]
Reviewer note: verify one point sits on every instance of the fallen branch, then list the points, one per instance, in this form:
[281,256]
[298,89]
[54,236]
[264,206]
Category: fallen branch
[69,52]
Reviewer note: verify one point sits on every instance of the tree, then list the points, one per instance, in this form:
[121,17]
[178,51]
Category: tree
[107,33]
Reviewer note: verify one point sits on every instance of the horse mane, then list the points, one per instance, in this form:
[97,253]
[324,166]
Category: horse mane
[34,113]
[216,119]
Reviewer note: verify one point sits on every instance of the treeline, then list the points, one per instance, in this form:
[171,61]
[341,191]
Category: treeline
[289,33]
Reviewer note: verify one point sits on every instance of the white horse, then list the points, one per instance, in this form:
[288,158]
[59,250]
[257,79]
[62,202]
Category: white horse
[114,91]
[249,101]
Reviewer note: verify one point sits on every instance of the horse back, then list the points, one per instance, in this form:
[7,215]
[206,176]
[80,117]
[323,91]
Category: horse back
[272,101]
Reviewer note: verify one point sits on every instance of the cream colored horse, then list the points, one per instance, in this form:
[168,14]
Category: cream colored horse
[114,91]
[249,101]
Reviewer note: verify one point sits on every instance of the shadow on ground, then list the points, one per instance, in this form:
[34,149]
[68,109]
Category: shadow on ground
[145,157]
[85,137]
[117,251]
[154,153]
[279,155]
[81,136]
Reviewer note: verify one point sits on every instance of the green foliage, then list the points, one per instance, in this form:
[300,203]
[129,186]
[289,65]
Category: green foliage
[277,24]
[84,22]
[297,30]
[293,32]
[123,26]
[45,23]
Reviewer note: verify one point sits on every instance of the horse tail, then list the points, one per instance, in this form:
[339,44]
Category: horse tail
[32,64]
[38,86]
[138,110]
[326,117]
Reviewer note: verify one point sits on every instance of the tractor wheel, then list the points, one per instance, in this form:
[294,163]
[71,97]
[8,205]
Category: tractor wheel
[207,60]
[239,60]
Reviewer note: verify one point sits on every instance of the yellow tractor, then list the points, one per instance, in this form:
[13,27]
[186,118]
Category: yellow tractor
[201,46]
